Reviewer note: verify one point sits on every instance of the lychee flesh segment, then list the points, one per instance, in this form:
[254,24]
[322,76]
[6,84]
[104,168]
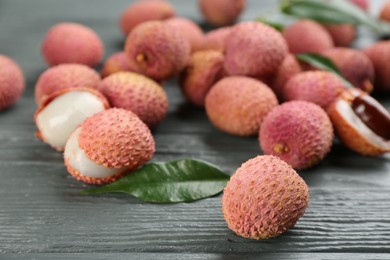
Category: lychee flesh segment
[61,116]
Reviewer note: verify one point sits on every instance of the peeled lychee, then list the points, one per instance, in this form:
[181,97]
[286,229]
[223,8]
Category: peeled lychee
[221,12]
[379,54]
[264,198]
[343,35]
[12,82]
[156,50]
[319,87]
[217,39]
[107,145]
[62,112]
[237,105]
[189,29]
[72,43]
[298,132]
[354,65]
[65,76]
[143,11]
[115,63]
[203,71]
[307,36]
[254,49]
[137,93]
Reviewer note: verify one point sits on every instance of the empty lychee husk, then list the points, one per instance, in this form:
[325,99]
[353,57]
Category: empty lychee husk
[361,123]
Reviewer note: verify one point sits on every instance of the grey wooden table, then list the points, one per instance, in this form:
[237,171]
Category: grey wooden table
[43,216]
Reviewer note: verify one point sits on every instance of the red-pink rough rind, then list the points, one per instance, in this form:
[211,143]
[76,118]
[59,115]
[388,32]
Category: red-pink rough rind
[264,198]
[72,43]
[363,4]
[65,76]
[379,54]
[307,36]
[189,29]
[137,93]
[116,138]
[156,50]
[12,82]
[319,87]
[143,11]
[385,12]
[216,39]
[115,63]
[254,49]
[221,12]
[237,105]
[343,35]
[298,132]
[203,71]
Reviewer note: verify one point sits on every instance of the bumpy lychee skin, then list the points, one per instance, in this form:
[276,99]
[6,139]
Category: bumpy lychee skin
[107,145]
[189,29]
[143,11]
[298,132]
[156,50]
[237,105]
[65,76]
[343,35]
[62,111]
[264,198]
[254,49]
[379,54]
[12,82]
[307,36]
[136,93]
[385,12]
[115,63]
[319,87]
[216,39]
[72,43]
[203,71]
[355,66]
[221,12]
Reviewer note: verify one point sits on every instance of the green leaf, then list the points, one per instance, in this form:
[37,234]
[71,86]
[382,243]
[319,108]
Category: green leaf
[321,62]
[170,182]
[275,25]
[333,12]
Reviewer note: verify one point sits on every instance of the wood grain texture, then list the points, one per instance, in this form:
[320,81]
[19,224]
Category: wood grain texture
[41,210]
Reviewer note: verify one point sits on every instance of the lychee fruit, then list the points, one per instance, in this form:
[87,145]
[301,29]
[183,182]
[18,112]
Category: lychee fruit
[361,123]
[379,54]
[189,29]
[143,11]
[385,12]
[65,76]
[156,50]
[216,39]
[115,63]
[319,87]
[354,65]
[137,93]
[363,4]
[72,43]
[254,49]
[237,105]
[221,12]
[12,82]
[107,145]
[62,111]
[299,132]
[203,71]
[343,35]
[264,198]
[307,36]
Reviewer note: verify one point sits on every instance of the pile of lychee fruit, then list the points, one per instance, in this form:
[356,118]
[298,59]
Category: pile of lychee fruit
[247,78]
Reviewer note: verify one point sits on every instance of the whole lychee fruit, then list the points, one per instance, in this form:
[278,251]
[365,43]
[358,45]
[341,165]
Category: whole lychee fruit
[12,82]
[216,39]
[72,43]
[385,12]
[319,87]
[65,76]
[379,54]
[221,12]
[254,49]
[264,198]
[143,11]
[137,93]
[62,112]
[354,65]
[237,105]
[343,35]
[115,63]
[363,4]
[298,132]
[189,29]
[107,145]
[156,50]
[203,71]
[307,36]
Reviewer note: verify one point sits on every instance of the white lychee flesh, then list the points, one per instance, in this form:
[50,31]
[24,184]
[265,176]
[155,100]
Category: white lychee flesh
[62,115]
